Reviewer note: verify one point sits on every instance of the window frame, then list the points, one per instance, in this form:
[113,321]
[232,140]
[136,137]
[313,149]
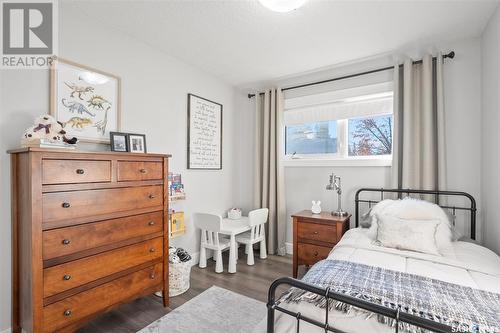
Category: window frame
[341,158]
[311,156]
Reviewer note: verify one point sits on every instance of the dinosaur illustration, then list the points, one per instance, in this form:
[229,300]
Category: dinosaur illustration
[80,90]
[101,125]
[79,123]
[97,102]
[76,107]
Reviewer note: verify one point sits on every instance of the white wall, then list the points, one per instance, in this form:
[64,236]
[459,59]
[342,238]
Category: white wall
[490,131]
[462,93]
[154,94]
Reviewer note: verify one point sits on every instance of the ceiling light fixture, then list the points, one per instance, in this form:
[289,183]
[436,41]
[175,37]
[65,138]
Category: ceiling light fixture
[282,6]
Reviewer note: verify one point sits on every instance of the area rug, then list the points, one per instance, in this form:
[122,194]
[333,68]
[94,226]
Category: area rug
[215,310]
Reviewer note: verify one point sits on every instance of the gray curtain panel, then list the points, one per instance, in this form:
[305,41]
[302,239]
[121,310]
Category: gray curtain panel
[419,156]
[269,181]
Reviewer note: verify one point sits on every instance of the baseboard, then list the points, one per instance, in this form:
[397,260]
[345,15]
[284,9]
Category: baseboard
[196,258]
[289,248]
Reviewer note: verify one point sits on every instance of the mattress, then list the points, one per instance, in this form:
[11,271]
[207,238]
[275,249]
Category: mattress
[463,263]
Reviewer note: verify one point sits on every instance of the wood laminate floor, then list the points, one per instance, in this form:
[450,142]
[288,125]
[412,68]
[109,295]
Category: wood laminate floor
[251,281]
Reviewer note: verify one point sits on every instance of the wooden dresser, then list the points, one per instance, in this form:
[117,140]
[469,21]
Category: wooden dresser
[90,231]
[314,236]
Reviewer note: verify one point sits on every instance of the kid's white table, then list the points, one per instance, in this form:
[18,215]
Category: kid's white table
[232,228]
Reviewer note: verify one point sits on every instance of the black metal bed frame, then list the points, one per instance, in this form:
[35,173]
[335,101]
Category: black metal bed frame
[437,194]
[274,305]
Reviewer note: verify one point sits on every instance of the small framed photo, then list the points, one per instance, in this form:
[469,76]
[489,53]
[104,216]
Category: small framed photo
[119,141]
[137,143]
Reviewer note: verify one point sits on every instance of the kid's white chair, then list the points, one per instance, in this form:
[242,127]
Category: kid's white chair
[210,226]
[257,220]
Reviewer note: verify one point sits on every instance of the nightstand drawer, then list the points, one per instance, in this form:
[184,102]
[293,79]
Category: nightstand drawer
[311,254]
[317,232]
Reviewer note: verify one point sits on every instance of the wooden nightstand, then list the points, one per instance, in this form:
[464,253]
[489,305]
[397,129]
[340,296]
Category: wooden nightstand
[314,235]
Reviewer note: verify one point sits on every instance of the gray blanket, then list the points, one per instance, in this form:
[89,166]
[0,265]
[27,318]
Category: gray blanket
[463,308]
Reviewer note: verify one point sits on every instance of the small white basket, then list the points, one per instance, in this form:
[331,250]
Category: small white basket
[179,275]
[234,214]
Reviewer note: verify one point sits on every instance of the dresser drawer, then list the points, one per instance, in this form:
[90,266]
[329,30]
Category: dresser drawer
[75,171]
[78,204]
[64,241]
[129,171]
[68,311]
[310,254]
[317,232]
[63,277]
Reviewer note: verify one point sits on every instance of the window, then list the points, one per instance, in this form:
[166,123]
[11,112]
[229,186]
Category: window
[340,125]
[311,138]
[370,136]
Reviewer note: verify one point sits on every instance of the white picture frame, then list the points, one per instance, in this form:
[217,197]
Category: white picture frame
[86,100]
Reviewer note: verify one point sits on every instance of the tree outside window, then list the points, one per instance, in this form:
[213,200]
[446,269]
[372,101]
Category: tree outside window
[370,136]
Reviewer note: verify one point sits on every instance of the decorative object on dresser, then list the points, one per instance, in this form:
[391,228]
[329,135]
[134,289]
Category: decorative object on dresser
[137,143]
[119,141]
[204,134]
[90,231]
[47,133]
[314,236]
[86,99]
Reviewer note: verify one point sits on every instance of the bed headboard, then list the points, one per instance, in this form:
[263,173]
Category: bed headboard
[437,195]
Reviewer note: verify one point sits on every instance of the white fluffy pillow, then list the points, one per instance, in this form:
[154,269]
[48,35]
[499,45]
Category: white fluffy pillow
[378,209]
[414,209]
[413,235]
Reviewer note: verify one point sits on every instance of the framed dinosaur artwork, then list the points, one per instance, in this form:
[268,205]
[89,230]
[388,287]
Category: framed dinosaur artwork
[85,100]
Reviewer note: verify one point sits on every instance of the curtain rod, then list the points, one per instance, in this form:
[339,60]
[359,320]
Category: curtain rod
[450,55]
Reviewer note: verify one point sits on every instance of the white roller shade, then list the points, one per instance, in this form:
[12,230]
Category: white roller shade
[353,102]
[365,106]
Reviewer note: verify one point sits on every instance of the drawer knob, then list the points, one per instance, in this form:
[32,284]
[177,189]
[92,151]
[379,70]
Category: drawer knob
[67,313]
[67,277]
[152,250]
[315,232]
[66,205]
[66,241]
[80,171]
[143,171]
[152,276]
[152,196]
[316,253]
[151,223]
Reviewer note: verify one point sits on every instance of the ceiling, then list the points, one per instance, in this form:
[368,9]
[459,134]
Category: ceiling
[242,42]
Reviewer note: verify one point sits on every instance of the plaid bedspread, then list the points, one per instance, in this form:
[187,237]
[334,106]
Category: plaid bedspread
[463,308]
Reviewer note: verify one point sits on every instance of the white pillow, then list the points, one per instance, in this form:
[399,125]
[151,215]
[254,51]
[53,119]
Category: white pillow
[378,209]
[413,235]
[415,209]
